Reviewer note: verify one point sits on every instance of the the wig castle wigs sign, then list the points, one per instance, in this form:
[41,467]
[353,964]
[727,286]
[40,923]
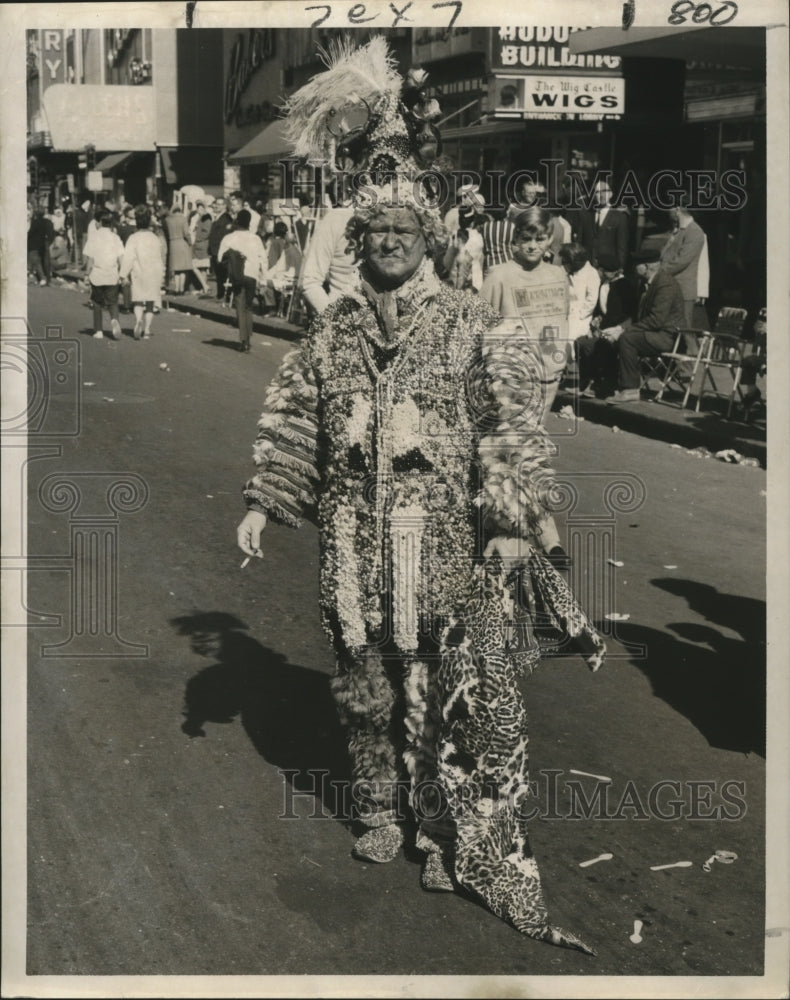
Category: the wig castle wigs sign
[537,76]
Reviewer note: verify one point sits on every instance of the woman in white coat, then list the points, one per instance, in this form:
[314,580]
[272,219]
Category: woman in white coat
[142,262]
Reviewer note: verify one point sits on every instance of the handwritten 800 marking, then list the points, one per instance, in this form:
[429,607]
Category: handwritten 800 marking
[702,13]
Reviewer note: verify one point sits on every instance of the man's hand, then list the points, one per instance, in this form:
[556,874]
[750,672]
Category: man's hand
[612,333]
[248,533]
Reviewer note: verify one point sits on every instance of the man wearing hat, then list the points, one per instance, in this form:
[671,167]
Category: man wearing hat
[661,312]
[414,426]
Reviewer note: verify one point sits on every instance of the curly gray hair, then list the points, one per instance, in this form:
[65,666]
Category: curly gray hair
[433,229]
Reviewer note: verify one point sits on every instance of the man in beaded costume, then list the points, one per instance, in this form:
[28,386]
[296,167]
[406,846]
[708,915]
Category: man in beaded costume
[415,429]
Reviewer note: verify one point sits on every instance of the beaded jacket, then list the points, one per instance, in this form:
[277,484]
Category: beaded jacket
[412,424]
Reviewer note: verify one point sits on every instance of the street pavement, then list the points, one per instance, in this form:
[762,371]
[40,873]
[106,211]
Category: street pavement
[156,843]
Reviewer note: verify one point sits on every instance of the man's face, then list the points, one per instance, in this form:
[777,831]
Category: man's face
[219,206]
[529,247]
[603,194]
[531,194]
[235,206]
[646,269]
[394,246]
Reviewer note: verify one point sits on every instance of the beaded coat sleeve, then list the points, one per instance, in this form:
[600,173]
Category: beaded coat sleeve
[285,450]
[514,448]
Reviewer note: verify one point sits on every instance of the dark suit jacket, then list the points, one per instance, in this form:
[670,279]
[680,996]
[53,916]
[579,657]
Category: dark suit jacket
[661,306]
[620,304]
[220,227]
[582,223]
[610,239]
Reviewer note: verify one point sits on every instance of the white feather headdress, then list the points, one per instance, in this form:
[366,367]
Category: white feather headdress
[355,78]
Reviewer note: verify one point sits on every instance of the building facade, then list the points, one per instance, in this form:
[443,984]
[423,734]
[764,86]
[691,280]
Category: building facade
[123,113]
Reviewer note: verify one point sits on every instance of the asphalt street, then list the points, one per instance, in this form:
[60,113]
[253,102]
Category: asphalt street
[156,837]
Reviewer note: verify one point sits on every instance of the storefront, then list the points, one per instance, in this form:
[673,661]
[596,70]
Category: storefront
[713,121]
[260,67]
[560,99]
[513,97]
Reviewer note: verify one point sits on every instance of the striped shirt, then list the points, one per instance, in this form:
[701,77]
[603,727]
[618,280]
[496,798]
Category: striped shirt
[497,243]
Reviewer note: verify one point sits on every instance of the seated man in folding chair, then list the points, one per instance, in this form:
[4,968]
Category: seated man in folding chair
[596,355]
[661,312]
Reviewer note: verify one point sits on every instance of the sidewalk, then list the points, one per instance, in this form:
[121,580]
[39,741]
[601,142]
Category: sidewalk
[666,421]
[663,421]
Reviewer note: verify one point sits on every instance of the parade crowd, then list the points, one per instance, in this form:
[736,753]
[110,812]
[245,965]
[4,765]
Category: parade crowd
[622,298]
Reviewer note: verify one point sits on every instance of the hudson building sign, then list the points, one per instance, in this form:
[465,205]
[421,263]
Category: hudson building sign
[538,77]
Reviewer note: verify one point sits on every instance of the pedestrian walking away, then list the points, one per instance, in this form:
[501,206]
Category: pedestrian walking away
[242,254]
[142,264]
[103,253]
[347,424]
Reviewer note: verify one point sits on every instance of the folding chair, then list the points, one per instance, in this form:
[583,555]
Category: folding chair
[723,355]
[682,363]
[730,320]
[651,367]
[297,311]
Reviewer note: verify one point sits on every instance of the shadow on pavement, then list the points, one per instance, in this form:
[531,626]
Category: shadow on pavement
[716,681]
[221,342]
[286,710]
[745,615]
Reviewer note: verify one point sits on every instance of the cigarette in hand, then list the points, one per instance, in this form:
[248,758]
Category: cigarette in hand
[247,560]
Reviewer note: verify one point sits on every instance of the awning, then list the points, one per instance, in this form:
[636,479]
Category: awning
[268,146]
[120,117]
[742,48]
[487,129]
[112,161]
[191,165]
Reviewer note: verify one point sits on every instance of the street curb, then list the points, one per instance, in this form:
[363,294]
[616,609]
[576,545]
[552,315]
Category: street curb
[271,325]
[645,419]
